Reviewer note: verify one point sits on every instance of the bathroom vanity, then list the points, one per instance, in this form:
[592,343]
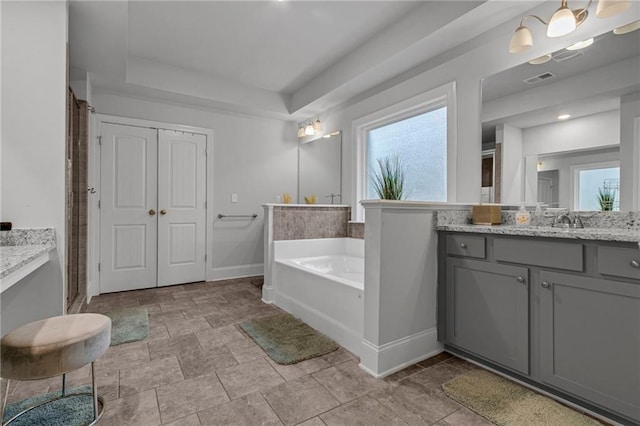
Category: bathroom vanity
[556,308]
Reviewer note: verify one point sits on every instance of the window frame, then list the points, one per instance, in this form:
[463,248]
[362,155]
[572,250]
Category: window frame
[575,178]
[443,96]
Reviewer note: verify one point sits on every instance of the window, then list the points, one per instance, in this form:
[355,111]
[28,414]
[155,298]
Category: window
[421,131]
[420,143]
[595,185]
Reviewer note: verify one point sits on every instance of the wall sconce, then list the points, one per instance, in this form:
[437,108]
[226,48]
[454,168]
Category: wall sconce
[563,22]
[310,129]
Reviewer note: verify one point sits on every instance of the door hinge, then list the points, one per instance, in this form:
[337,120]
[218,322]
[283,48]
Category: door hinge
[205,257]
[99,140]
[98,266]
[98,203]
[205,204]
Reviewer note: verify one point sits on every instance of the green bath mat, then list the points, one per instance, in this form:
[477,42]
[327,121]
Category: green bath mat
[72,411]
[129,325]
[508,404]
[288,340]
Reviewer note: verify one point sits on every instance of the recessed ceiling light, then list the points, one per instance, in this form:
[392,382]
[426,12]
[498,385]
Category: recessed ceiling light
[581,44]
[564,116]
[541,60]
[627,28]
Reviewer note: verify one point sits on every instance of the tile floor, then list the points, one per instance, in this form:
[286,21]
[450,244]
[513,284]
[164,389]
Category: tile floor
[198,368]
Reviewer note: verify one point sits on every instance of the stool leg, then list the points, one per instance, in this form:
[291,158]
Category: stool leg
[4,402]
[64,384]
[95,391]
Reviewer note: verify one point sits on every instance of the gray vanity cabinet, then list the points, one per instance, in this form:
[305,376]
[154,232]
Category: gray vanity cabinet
[488,311]
[590,339]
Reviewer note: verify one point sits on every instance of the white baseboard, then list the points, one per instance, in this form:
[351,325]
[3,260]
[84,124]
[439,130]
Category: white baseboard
[267,294]
[240,271]
[386,359]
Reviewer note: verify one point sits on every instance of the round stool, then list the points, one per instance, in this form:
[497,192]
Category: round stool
[53,347]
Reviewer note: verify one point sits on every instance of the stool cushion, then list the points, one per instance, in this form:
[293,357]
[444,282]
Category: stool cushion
[54,346]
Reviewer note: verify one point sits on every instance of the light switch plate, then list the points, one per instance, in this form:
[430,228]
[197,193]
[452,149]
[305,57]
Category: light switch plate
[234,198]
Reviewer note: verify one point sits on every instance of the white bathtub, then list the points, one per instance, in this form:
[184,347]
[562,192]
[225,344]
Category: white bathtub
[321,281]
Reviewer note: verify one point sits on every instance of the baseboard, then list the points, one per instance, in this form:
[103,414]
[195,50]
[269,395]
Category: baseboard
[229,272]
[386,359]
[267,294]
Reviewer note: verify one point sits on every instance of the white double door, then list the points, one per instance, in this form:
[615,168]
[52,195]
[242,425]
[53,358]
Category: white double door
[152,207]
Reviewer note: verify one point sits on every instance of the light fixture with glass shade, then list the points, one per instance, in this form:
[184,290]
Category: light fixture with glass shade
[308,129]
[317,126]
[312,128]
[564,21]
[301,132]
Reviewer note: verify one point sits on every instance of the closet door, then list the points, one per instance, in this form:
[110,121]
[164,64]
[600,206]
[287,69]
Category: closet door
[129,199]
[181,204]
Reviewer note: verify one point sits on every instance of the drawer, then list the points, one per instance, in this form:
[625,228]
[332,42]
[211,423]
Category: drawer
[619,261]
[550,254]
[466,245]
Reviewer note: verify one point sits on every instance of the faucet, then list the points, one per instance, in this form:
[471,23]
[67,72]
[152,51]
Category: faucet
[332,196]
[566,220]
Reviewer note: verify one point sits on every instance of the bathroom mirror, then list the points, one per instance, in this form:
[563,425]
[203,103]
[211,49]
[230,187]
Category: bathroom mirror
[539,157]
[320,169]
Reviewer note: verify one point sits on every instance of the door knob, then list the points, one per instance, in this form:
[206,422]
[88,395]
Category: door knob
[163,212]
[545,284]
[635,264]
[520,279]
[463,245]
[152,212]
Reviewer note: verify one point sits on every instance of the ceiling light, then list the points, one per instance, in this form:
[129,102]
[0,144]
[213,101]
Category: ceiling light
[563,22]
[581,44]
[301,132]
[308,130]
[541,59]
[564,116]
[608,8]
[625,29]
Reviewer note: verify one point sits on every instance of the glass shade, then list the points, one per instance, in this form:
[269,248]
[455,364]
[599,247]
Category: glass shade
[521,40]
[581,44]
[562,23]
[301,132]
[540,60]
[317,126]
[608,8]
[308,130]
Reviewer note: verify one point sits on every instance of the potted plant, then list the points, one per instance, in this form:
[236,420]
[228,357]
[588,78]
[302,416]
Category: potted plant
[606,197]
[388,181]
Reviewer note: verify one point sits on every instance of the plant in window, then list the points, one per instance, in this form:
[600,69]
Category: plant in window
[606,197]
[388,181]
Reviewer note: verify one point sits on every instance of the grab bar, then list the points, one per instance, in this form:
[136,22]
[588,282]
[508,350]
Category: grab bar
[222,216]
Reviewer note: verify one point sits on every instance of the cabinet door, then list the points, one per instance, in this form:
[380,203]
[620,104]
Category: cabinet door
[488,311]
[590,339]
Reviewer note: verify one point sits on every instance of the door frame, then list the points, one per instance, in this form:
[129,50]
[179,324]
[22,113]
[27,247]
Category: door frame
[93,256]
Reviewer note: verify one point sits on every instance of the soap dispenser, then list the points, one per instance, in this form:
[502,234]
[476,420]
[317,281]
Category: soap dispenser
[523,217]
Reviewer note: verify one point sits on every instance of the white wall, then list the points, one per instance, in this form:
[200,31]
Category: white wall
[255,158]
[630,152]
[512,164]
[34,40]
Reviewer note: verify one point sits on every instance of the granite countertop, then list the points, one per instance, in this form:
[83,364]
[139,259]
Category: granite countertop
[600,234]
[12,258]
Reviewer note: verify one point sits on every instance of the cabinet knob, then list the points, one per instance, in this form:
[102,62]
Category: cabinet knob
[163,212]
[463,245]
[520,279]
[152,212]
[545,284]
[635,264]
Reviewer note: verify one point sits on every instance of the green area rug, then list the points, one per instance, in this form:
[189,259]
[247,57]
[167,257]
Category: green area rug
[129,325]
[72,411]
[508,404]
[288,340]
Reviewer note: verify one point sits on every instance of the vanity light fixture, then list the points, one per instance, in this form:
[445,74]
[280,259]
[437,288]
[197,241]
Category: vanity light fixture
[581,44]
[564,116]
[301,132]
[310,129]
[317,126]
[563,22]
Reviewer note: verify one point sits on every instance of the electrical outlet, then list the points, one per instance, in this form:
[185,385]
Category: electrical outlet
[234,198]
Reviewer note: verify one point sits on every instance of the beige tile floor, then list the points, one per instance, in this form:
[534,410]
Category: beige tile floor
[198,368]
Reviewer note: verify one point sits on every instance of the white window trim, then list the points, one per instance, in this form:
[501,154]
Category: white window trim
[422,103]
[575,181]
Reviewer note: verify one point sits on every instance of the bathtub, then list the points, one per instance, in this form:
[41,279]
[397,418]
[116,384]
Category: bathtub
[321,281]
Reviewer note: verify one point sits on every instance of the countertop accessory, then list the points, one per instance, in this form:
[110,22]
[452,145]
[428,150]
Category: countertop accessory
[486,214]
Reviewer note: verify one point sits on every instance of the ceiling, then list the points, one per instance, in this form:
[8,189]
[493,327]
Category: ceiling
[283,59]
[595,76]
